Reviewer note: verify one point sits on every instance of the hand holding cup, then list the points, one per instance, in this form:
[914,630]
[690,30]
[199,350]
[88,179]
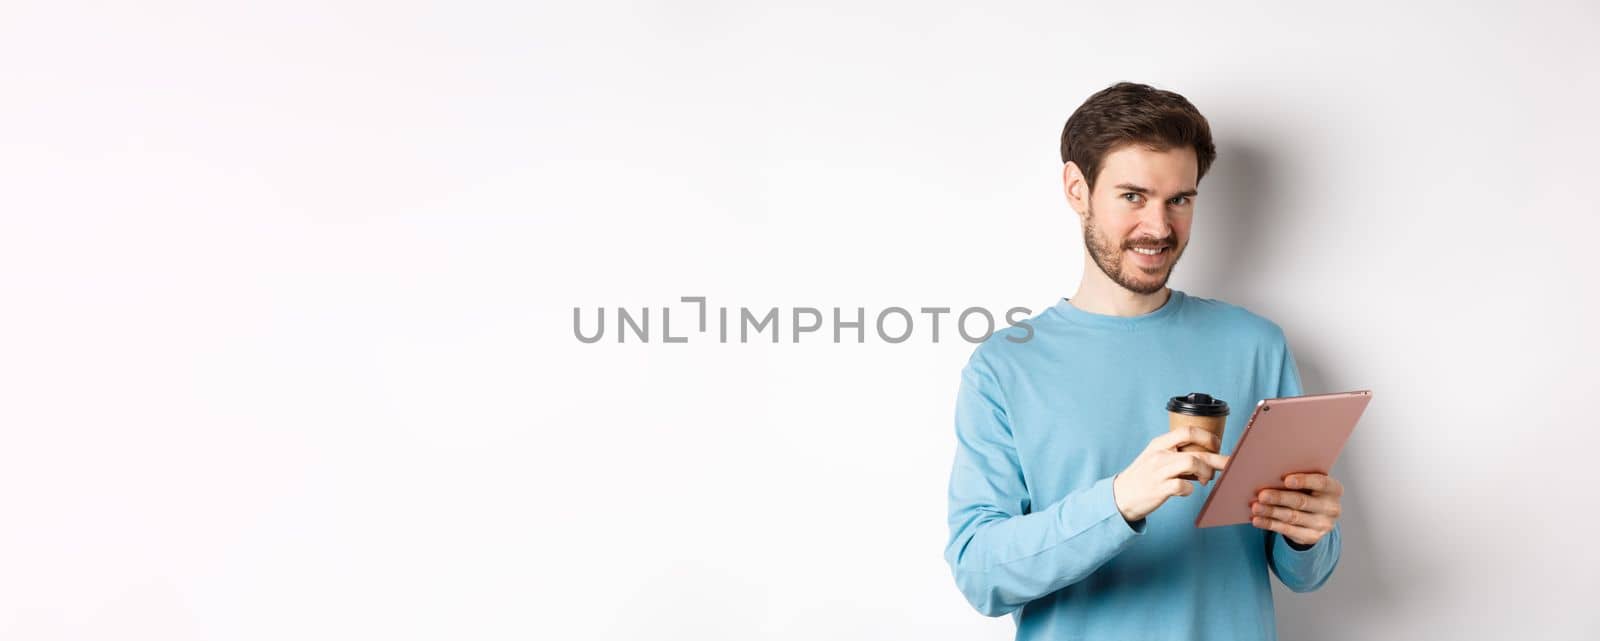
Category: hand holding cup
[1160,470]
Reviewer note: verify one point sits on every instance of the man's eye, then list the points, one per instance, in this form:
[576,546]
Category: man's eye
[1131,197]
[1179,200]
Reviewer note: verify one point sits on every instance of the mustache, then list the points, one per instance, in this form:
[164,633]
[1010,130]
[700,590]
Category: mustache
[1152,243]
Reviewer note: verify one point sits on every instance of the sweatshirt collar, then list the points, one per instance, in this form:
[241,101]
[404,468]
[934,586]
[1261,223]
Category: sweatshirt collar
[1089,319]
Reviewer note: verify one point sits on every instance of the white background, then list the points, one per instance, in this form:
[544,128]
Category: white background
[286,349]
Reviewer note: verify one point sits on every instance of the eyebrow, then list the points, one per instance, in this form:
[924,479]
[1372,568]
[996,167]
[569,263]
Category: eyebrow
[1147,191]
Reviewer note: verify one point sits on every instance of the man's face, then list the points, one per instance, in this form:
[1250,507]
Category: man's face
[1143,199]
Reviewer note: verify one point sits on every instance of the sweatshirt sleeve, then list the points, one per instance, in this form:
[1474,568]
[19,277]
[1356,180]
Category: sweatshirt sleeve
[1301,570]
[1002,551]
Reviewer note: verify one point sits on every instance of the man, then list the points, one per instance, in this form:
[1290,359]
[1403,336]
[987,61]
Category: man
[1066,506]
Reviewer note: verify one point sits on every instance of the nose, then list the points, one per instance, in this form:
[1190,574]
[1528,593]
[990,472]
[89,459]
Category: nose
[1155,221]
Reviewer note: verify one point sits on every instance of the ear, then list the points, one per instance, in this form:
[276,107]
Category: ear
[1076,187]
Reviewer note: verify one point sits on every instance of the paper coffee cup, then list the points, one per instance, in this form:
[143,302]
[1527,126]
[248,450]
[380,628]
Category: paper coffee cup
[1197,410]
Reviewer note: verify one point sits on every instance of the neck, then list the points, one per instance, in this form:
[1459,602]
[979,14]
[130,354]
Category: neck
[1098,294]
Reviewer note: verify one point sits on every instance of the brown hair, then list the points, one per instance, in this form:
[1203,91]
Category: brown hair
[1129,112]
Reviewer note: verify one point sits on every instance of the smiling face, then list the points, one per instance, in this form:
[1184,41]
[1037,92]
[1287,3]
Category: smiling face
[1136,218]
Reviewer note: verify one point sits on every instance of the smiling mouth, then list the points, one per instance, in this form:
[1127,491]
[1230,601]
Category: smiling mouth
[1149,251]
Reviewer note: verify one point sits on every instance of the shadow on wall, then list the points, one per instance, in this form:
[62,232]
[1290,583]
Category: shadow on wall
[1236,228]
[1243,232]
[1360,589]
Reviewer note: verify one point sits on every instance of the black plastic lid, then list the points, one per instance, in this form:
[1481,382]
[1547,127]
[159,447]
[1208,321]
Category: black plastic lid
[1197,404]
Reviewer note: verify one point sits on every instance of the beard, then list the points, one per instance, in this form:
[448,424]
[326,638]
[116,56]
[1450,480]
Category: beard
[1109,255]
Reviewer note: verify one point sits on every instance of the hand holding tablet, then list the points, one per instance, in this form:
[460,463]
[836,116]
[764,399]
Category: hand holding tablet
[1287,442]
[1304,515]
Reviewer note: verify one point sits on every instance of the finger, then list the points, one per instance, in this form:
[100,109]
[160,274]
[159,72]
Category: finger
[1318,483]
[1297,500]
[1328,506]
[1213,463]
[1216,461]
[1292,517]
[1173,465]
[1302,533]
[1183,436]
[1178,487]
[1179,463]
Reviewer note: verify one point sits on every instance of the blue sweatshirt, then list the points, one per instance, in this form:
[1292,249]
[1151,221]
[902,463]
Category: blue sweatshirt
[1042,426]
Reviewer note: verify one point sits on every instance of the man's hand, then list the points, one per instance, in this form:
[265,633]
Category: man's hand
[1153,477]
[1304,513]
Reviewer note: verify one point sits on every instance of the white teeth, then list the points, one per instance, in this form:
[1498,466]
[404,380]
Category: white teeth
[1147,252]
